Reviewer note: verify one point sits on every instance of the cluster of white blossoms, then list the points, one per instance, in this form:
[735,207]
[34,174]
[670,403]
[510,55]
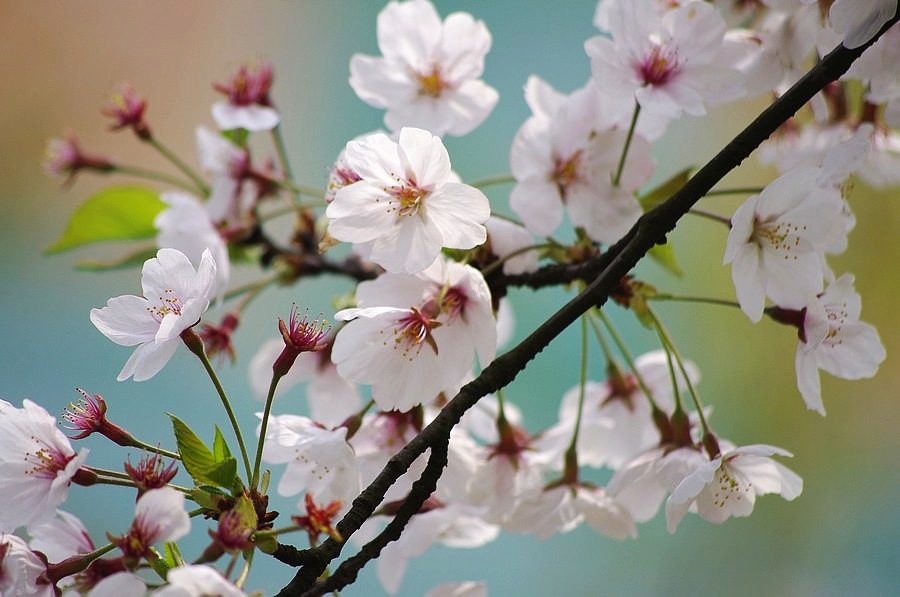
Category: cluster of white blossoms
[432,259]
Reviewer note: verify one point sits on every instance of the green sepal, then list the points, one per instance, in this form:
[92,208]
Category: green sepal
[115,213]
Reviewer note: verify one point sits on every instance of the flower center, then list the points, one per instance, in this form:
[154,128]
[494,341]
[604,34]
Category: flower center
[779,236]
[454,303]
[837,315]
[432,84]
[167,303]
[566,171]
[659,66]
[412,331]
[46,461]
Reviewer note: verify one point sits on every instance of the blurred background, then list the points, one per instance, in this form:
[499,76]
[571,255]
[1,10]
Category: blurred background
[60,62]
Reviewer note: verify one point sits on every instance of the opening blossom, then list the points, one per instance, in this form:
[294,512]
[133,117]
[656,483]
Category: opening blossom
[565,158]
[159,516]
[175,296]
[405,207]
[672,62]
[427,76]
[778,240]
[421,338]
[833,339]
[37,465]
[728,485]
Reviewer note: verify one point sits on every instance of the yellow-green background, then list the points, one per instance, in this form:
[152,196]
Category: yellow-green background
[59,61]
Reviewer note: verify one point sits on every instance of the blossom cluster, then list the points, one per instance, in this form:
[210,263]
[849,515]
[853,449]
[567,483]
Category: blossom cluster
[431,259]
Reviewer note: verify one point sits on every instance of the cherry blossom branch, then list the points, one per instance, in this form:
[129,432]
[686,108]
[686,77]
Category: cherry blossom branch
[607,269]
[421,490]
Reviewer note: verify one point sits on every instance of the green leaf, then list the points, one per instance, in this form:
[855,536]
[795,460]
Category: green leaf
[172,555]
[665,190]
[220,448]
[237,136]
[665,256]
[128,260]
[158,563]
[199,461]
[115,213]
[195,456]
[222,474]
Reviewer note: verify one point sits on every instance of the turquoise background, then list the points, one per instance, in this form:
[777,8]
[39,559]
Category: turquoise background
[60,62]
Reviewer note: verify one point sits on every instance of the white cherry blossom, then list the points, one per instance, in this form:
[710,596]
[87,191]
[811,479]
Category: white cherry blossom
[413,337]
[197,581]
[859,20]
[547,511]
[319,460]
[428,74]
[454,525]
[405,203]
[616,419]
[331,398]
[670,62]
[729,484]
[834,340]
[175,296]
[37,465]
[778,239]
[118,585]
[231,192]
[565,157]
[643,483]
[21,569]
[187,226]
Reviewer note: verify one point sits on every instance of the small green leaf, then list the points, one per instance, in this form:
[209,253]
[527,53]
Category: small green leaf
[665,190]
[115,213]
[195,456]
[128,260]
[221,474]
[220,448]
[237,136]
[264,484]
[665,256]
[172,555]
[199,461]
[158,563]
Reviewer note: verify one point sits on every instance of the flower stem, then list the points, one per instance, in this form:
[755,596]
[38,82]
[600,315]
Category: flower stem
[195,345]
[153,175]
[735,191]
[250,287]
[280,149]
[670,346]
[710,216]
[623,349]
[180,164]
[245,571]
[694,299]
[156,450]
[631,127]
[570,473]
[493,180]
[293,208]
[270,397]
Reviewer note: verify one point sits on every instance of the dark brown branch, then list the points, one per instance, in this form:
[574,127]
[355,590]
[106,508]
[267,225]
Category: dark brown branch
[421,491]
[617,261]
